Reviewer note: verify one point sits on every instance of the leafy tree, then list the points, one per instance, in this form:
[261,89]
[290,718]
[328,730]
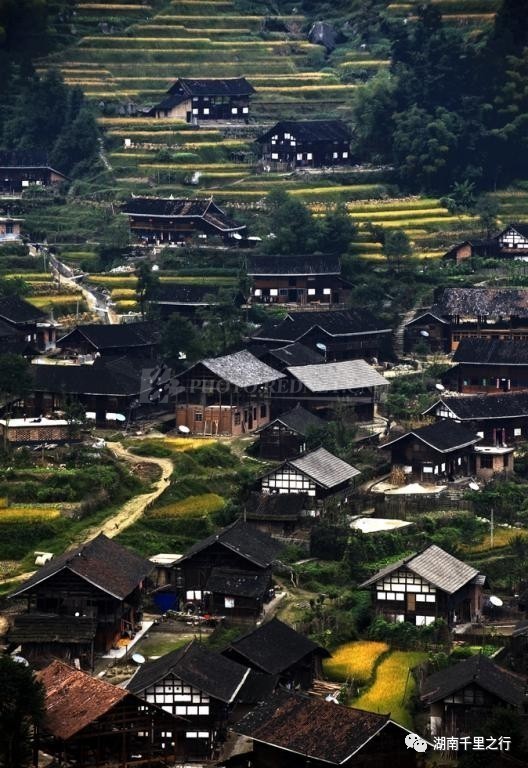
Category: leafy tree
[223,324]
[374,108]
[21,708]
[293,227]
[461,199]
[487,210]
[14,286]
[396,247]
[181,342]
[337,230]
[77,143]
[147,286]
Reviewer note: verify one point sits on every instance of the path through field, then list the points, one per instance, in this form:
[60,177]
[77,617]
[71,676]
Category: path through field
[129,512]
[132,509]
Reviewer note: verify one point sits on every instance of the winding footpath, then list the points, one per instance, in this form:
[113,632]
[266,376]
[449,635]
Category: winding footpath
[129,512]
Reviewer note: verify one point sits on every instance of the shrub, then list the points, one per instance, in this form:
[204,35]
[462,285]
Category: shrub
[152,448]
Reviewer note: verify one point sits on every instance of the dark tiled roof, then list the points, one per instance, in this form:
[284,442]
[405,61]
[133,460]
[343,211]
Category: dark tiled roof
[443,436]
[477,407]
[246,541]
[242,369]
[519,226]
[104,377]
[310,130]
[74,699]
[17,310]
[274,647]
[492,352]
[110,336]
[232,86]
[336,323]
[324,468]
[436,566]
[257,687]
[275,506]
[175,208]
[483,302]
[48,628]
[293,265]
[333,377]
[8,334]
[480,670]
[311,727]
[103,562]
[24,159]
[298,419]
[296,354]
[226,581]
[196,665]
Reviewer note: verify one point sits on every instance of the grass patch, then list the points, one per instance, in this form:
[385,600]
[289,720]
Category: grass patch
[205,504]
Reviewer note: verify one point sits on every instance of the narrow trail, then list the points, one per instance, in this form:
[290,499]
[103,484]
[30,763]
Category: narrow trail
[129,512]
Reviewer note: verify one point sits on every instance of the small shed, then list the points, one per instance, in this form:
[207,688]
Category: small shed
[285,436]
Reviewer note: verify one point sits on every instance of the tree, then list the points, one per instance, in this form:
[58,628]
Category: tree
[396,247]
[77,142]
[223,325]
[181,342]
[487,210]
[293,227]
[337,230]
[21,709]
[461,199]
[147,286]
[374,107]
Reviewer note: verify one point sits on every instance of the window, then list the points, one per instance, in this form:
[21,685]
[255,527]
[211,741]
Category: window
[193,594]
[345,155]
[517,432]
[198,416]
[274,292]
[381,595]
[309,156]
[245,110]
[274,156]
[263,411]
[257,292]
[229,602]
[480,434]
[206,110]
[234,110]
[335,155]
[195,110]
[486,462]
[236,419]
[327,291]
[299,155]
[311,291]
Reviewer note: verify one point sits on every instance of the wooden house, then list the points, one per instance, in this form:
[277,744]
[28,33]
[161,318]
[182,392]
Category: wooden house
[131,339]
[513,241]
[278,514]
[461,697]
[499,420]
[285,436]
[203,100]
[439,451]
[10,229]
[27,431]
[489,366]
[229,395]
[100,581]
[29,321]
[469,313]
[166,221]
[297,280]
[111,390]
[319,475]
[322,388]
[467,249]
[203,687]
[305,144]
[339,334]
[276,649]
[22,170]
[293,730]
[228,573]
[427,586]
[90,723]
[187,300]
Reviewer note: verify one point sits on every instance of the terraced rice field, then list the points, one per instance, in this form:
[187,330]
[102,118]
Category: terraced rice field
[393,687]
[354,661]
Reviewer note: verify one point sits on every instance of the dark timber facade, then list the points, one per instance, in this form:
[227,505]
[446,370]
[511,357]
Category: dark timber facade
[306,144]
[197,101]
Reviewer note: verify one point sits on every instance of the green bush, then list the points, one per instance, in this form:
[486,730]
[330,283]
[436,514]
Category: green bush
[152,448]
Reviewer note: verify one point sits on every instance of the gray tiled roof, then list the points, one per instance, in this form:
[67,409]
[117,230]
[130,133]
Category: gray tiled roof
[242,369]
[348,374]
[435,566]
[325,468]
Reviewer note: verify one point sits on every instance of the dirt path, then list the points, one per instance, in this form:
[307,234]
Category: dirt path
[131,510]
